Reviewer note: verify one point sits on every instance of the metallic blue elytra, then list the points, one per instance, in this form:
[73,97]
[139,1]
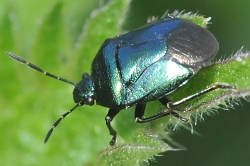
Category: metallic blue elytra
[143,65]
[148,63]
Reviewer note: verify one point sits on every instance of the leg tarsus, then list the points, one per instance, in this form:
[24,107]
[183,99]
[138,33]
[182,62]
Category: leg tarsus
[175,114]
[109,117]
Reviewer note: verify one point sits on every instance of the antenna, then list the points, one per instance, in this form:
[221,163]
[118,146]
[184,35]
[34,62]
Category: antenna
[21,60]
[58,121]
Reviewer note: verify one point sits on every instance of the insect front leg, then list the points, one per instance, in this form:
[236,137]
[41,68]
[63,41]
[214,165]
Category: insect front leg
[109,117]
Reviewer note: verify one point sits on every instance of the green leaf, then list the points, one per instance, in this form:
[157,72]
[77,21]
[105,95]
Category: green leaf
[193,17]
[31,103]
[134,154]
[233,71]
[102,24]
[6,43]
[50,39]
[6,29]
[217,73]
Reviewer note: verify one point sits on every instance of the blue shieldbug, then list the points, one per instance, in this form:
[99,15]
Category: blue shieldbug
[143,65]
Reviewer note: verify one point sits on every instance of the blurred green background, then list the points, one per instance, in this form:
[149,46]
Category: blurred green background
[30,103]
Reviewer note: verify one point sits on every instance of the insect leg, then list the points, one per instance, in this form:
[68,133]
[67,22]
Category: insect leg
[109,117]
[139,112]
[165,101]
[208,89]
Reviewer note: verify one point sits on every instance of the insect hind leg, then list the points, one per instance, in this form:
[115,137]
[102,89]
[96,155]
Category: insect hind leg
[166,102]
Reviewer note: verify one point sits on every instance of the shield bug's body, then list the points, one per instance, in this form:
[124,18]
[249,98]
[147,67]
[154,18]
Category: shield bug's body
[143,65]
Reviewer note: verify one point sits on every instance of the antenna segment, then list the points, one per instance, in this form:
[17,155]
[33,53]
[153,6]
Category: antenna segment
[21,60]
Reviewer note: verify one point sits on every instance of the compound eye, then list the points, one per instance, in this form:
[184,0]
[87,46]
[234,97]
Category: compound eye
[76,95]
[90,101]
